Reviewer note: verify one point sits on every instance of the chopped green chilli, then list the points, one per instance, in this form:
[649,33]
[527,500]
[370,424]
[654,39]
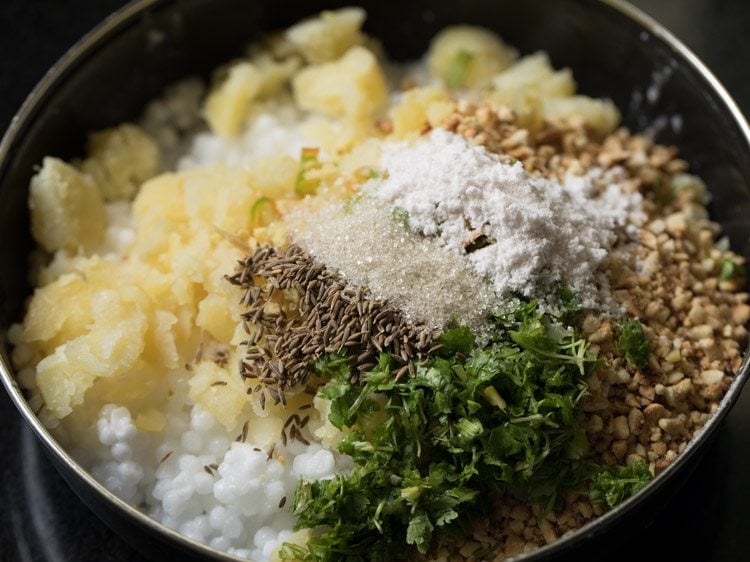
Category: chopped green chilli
[455,75]
[308,162]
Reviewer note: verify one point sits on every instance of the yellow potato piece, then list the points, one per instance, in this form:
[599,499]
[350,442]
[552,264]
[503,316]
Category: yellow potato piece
[61,383]
[151,420]
[352,87]
[274,74]
[67,211]
[62,306]
[215,317]
[227,208]
[160,346]
[111,348]
[274,176]
[228,105]
[120,160]
[219,392]
[329,35]
[601,115]
[300,538]
[485,55]
[418,108]
[159,200]
[532,74]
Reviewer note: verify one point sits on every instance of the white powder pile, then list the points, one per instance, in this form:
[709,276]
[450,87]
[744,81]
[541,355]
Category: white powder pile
[369,247]
[542,233]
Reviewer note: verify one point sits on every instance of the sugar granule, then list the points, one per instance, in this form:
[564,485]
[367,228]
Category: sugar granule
[369,247]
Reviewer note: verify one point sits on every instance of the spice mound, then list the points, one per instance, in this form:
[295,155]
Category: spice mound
[298,310]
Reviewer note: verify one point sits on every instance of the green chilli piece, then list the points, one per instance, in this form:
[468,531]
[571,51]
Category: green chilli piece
[456,74]
[263,212]
[308,161]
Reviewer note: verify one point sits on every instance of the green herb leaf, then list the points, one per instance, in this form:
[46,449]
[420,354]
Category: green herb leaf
[611,484]
[400,216]
[419,532]
[457,340]
[472,421]
[730,269]
[633,344]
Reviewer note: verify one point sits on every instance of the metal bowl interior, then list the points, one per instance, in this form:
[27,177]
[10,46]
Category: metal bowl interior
[613,49]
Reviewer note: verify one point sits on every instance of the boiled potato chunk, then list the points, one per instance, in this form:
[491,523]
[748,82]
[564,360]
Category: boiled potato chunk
[601,115]
[111,347]
[228,104]
[61,383]
[533,75]
[58,312]
[67,211]
[219,392]
[419,108]
[274,74]
[151,420]
[215,317]
[468,56]
[161,346]
[352,87]
[328,36]
[274,176]
[120,160]
[300,538]
[227,208]
[322,428]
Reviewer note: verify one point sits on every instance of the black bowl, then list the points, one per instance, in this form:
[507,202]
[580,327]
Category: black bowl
[613,49]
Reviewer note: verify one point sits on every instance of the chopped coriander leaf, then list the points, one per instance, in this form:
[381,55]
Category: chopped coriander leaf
[457,340]
[730,269]
[458,70]
[612,484]
[633,344]
[429,449]
[401,216]
[569,303]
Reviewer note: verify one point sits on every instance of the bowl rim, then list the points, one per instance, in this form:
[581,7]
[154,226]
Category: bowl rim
[124,16]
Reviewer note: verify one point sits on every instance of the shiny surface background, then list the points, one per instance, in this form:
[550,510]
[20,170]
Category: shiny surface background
[41,519]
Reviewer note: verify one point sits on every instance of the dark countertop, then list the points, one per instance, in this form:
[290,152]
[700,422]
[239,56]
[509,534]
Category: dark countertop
[42,520]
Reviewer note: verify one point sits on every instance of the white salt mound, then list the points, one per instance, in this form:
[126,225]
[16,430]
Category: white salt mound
[545,233]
